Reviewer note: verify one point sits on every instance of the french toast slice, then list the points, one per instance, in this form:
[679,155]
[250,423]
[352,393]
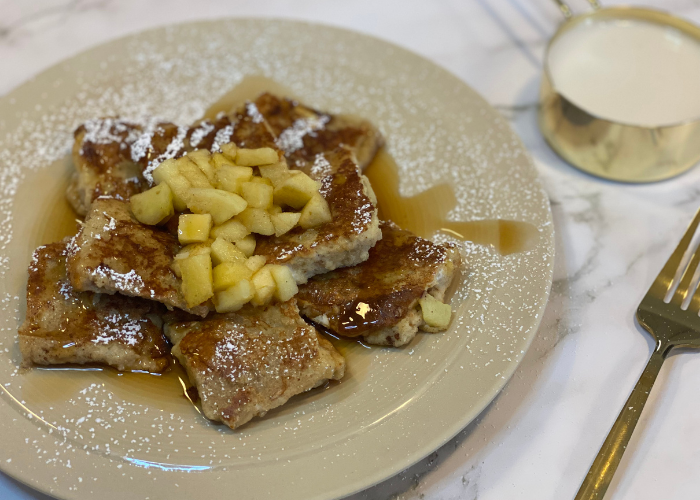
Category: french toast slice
[303,132]
[378,299]
[346,239]
[246,363]
[115,157]
[63,325]
[113,252]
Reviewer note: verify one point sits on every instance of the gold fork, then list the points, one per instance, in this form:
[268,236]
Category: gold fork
[671,326]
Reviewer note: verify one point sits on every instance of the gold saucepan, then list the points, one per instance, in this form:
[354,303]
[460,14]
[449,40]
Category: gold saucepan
[610,149]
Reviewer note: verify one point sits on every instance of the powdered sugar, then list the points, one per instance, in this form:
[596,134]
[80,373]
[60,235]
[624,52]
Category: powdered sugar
[223,136]
[117,326]
[143,143]
[321,168]
[292,138]
[107,130]
[201,132]
[174,148]
[129,282]
[254,113]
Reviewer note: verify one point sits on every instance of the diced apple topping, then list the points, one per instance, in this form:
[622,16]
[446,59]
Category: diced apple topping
[284,281]
[228,274]
[221,204]
[235,195]
[284,221]
[229,150]
[194,249]
[231,177]
[192,173]
[276,172]
[257,195]
[221,160]
[224,251]
[315,212]
[264,285]
[202,158]
[435,313]
[247,245]
[193,228]
[235,297]
[168,173]
[255,262]
[231,230]
[257,220]
[296,190]
[197,283]
[153,206]
[255,157]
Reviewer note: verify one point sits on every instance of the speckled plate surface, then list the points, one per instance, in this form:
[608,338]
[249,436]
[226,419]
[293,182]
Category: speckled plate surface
[83,434]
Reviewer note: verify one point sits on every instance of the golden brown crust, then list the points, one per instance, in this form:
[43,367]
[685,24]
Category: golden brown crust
[383,291]
[65,326]
[244,364]
[303,133]
[351,232]
[113,252]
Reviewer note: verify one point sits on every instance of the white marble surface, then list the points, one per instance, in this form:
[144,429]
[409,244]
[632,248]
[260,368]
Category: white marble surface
[538,438]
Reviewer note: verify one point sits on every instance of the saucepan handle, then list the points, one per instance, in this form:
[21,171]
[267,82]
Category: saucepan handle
[566,10]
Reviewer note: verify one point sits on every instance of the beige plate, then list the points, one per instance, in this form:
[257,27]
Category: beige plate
[76,434]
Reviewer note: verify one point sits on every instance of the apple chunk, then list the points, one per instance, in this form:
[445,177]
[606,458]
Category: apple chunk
[229,150]
[221,204]
[231,230]
[255,157]
[286,286]
[296,190]
[228,274]
[224,251]
[197,283]
[230,178]
[257,195]
[435,313]
[168,173]
[220,160]
[264,285]
[202,158]
[256,220]
[255,262]
[315,212]
[247,245]
[192,173]
[235,297]
[284,222]
[193,228]
[276,172]
[153,206]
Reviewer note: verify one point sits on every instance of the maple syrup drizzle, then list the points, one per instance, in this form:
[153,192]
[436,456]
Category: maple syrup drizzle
[63,382]
[426,213]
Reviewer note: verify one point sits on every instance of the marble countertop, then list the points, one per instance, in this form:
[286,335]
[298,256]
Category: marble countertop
[538,437]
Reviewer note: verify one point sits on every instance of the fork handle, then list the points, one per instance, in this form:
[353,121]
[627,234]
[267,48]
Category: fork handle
[605,464]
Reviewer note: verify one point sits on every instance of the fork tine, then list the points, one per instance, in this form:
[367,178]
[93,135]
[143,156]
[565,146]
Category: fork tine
[664,280]
[694,305]
[684,285]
